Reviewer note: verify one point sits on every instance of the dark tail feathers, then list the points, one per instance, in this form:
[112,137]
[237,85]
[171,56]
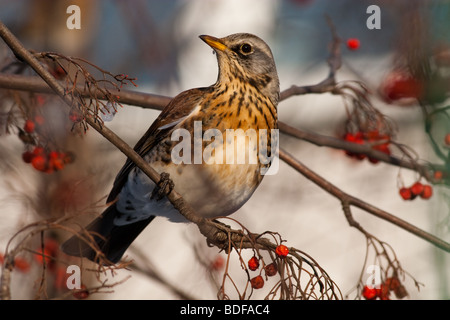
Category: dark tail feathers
[112,240]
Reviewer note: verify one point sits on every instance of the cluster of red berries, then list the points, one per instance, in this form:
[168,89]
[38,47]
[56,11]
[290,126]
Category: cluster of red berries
[41,158]
[380,142]
[271,269]
[383,291]
[47,161]
[416,190]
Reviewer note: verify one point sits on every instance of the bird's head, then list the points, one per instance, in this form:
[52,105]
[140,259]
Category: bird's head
[245,57]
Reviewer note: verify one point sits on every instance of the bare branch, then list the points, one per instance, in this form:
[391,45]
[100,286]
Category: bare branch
[350,200]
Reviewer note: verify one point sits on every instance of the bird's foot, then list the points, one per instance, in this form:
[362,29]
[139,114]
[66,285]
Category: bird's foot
[163,188]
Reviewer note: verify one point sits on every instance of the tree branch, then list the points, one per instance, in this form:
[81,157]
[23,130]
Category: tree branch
[350,200]
[158,102]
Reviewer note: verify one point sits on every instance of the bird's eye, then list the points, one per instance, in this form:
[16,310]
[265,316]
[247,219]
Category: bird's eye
[246,48]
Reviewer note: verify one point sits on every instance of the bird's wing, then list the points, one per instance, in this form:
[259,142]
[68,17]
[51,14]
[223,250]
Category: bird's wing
[176,111]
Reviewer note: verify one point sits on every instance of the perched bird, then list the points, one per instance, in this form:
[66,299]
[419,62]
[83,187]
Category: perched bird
[211,179]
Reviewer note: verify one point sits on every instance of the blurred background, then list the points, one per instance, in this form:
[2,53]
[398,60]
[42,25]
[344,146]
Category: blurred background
[157,42]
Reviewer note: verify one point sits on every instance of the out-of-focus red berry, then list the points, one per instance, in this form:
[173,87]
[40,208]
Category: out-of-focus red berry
[38,151]
[355,138]
[21,264]
[438,175]
[218,263]
[39,120]
[369,293]
[51,250]
[399,85]
[405,193]
[392,283]
[39,163]
[82,293]
[29,126]
[27,156]
[417,189]
[383,292]
[447,139]
[427,192]
[353,44]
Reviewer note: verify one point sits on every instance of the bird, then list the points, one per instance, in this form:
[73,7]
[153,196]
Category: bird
[210,179]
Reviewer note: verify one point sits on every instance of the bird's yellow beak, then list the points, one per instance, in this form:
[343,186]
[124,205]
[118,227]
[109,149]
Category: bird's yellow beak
[214,42]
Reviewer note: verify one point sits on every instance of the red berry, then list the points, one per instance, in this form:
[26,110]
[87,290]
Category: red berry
[271,269]
[57,164]
[405,193]
[38,151]
[53,155]
[27,156]
[383,292]
[40,100]
[29,126]
[369,293]
[395,285]
[39,163]
[253,263]
[51,249]
[392,283]
[399,85]
[383,148]
[41,257]
[217,263]
[447,139]
[417,189]
[257,282]
[438,175]
[427,192]
[353,44]
[39,120]
[81,293]
[282,251]
[21,264]
[56,160]
[358,139]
